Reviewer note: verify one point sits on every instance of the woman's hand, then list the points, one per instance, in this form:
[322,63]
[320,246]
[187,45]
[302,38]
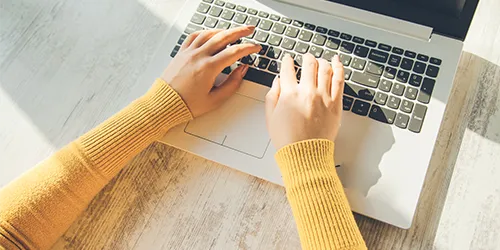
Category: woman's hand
[202,56]
[309,110]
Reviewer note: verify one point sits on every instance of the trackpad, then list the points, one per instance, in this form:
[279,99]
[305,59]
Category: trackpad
[239,124]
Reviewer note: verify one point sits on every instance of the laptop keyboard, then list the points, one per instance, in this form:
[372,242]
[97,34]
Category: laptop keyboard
[385,83]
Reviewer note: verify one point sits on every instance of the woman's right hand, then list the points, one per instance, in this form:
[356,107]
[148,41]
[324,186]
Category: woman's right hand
[311,109]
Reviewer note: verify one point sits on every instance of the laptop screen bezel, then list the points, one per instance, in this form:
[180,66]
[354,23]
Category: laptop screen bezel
[444,25]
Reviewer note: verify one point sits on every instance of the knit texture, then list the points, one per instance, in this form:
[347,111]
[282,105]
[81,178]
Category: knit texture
[319,205]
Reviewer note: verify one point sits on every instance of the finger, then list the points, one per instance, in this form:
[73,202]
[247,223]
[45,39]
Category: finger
[309,76]
[287,73]
[189,39]
[221,93]
[233,53]
[337,80]
[325,74]
[272,97]
[204,36]
[222,39]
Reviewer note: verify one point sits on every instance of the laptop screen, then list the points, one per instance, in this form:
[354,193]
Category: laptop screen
[447,17]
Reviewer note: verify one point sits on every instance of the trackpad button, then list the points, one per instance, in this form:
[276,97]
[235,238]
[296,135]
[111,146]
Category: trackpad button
[239,124]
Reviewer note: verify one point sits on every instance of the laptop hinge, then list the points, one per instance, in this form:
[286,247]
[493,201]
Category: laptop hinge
[366,18]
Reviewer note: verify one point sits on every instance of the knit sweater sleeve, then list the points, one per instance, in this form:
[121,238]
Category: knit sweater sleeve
[322,214]
[39,206]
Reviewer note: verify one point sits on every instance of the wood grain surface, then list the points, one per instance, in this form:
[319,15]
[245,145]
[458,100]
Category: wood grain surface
[67,65]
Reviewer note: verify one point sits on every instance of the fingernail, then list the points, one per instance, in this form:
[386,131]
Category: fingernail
[244,70]
[336,58]
[252,27]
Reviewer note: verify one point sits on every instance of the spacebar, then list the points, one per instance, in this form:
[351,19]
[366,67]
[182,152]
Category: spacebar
[260,77]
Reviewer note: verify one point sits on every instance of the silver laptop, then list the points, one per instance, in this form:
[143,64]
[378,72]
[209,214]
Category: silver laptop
[400,59]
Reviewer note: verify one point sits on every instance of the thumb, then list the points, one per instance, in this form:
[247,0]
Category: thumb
[272,97]
[229,86]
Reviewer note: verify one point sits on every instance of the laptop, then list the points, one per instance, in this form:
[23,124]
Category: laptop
[400,59]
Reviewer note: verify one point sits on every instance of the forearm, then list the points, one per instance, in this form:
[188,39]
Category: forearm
[320,207]
[38,207]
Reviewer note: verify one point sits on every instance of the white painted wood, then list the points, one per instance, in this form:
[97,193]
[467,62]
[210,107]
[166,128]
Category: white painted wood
[67,65]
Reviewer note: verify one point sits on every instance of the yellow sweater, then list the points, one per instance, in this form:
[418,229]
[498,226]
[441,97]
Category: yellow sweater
[38,207]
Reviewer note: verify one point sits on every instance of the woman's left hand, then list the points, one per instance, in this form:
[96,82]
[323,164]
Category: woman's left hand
[202,57]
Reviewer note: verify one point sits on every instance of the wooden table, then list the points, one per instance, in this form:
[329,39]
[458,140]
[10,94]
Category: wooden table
[67,65]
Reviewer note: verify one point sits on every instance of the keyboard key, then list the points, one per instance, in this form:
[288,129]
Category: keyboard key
[240,18]
[250,59]
[259,76]
[191,28]
[358,64]
[359,91]
[406,106]
[394,102]
[432,71]
[345,59]
[273,52]
[265,24]
[328,55]
[347,47]
[263,14]
[175,50]
[415,80]
[227,14]
[385,85]
[361,51]
[398,89]
[358,39]
[347,102]
[298,60]
[309,26]
[381,98]
[291,32]
[375,68]
[397,50]
[297,23]
[426,90]
[316,51]
[402,120]
[402,76]
[378,56]
[394,60]
[319,39]
[417,118]
[321,30]
[346,36]
[305,35]
[262,62]
[197,18]
[390,72]
[288,43]
[382,114]
[302,47]
[181,39]
[219,3]
[215,11]
[411,93]
[435,61]
[203,8]
[360,107]
[261,36]
[241,8]
[347,73]
[275,67]
[419,67]
[365,79]
[286,20]
[332,43]
[230,6]
[253,20]
[333,33]
[279,28]
[410,54]
[407,64]
[274,40]
[371,43]
[422,57]
[384,47]
[274,17]
[263,49]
